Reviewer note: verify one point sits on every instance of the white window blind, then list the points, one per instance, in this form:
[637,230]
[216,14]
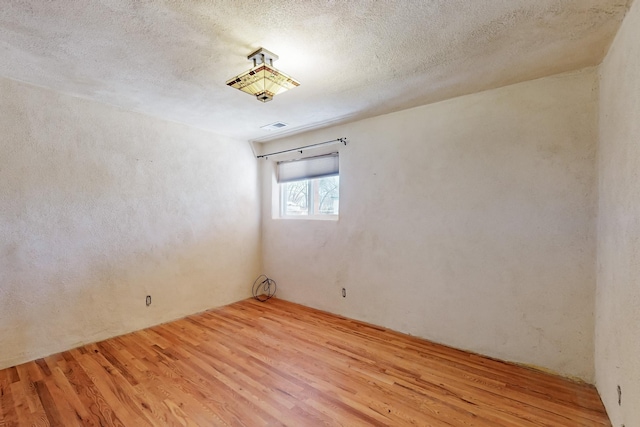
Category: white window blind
[309,168]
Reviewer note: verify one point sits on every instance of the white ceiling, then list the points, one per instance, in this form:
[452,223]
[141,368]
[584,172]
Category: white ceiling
[354,59]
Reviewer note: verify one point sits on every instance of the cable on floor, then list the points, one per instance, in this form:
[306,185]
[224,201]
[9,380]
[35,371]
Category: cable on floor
[263,288]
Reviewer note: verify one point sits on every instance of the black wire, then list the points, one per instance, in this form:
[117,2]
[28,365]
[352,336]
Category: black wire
[263,288]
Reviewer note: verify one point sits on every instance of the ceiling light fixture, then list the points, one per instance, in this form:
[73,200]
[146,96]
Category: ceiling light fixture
[263,80]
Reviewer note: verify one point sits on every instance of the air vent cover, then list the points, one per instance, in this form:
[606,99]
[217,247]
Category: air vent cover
[274,126]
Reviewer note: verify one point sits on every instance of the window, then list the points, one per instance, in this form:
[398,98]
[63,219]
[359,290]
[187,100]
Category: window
[310,197]
[310,187]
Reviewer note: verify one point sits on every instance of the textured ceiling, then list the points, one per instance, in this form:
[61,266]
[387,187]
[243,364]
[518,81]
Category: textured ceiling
[354,59]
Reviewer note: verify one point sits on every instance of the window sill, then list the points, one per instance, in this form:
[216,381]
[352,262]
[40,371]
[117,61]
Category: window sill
[310,217]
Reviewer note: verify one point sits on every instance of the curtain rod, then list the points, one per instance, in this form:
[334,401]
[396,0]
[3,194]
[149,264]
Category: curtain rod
[333,141]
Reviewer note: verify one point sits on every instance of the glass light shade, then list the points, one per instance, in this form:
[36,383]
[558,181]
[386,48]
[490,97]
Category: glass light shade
[263,81]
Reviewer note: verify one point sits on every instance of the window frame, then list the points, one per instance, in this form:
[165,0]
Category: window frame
[311,205]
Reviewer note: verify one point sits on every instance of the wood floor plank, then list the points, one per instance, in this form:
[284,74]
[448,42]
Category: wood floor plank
[23,416]
[279,363]
[8,415]
[95,404]
[67,400]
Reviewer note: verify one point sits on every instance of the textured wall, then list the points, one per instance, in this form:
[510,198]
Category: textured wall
[469,222]
[100,207]
[618,290]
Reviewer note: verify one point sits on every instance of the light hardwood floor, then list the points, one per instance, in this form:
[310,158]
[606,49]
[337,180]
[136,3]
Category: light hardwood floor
[278,363]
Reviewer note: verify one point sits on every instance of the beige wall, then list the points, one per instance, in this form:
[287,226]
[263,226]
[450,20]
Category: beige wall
[470,222]
[100,207]
[618,277]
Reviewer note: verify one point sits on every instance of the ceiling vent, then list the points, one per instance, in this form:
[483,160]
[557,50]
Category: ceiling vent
[274,126]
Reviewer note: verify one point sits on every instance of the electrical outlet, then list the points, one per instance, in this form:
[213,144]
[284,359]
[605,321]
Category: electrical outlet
[148,301]
[344,292]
